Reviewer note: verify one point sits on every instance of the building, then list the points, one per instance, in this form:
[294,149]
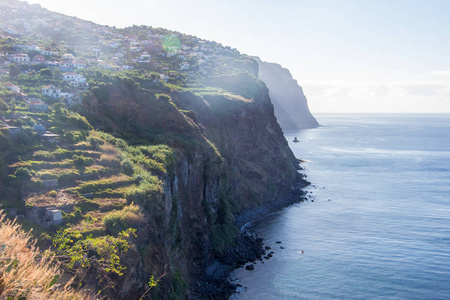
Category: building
[185,66]
[39,129]
[51,91]
[74,79]
[78,64]
[64,64]
[39,58]
[12,87]
[52,64]
[66,95]
[45,216]
[145,57]
[20,58]
[68,56]
[13,130]
[50,53]
[31,48]
[38,106]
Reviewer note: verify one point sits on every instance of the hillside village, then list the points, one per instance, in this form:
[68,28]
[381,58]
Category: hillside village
[100,134]
[46,59]
[35,42]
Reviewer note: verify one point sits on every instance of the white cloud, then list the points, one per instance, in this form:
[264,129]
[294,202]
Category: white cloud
[439,73]
[379,97]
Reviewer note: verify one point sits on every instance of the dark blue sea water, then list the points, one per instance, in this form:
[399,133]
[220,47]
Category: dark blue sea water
[379,226]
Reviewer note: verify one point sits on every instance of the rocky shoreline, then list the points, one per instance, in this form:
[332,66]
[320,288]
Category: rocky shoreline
[216,282]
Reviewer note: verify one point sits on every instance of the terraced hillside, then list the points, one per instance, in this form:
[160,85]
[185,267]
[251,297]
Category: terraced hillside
[131,152]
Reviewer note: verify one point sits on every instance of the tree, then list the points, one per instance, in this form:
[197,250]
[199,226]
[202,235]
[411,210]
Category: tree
[14,71]
[45,72]
[3,105]
[101,254]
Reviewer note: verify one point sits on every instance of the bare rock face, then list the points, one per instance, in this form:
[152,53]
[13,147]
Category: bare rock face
[231,157]
[290,104]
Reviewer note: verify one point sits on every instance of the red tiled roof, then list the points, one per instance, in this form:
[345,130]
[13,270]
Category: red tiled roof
[10,84]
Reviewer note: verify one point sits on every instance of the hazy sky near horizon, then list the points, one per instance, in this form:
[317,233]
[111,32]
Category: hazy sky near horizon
[348,55]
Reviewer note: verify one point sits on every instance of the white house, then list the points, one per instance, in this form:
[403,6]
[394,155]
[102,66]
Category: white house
[52,64]
[78,63]
[68,56]
[51,91]
[135,49]
[12,87]
[96,50]
[66,95]
[104,65]
[64,64]
[49,53]
[185,66]
[74,78]
[145,57]
[163,77]
[127,67]
[20,58]
[31,48]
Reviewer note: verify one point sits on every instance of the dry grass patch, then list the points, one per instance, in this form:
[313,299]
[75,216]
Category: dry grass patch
[62,198]
[108,204]
[25,273]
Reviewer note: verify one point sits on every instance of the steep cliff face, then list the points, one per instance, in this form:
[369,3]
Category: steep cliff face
[231,157]
[291,107]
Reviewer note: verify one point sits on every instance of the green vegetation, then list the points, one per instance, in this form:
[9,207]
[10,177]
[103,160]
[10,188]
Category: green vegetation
[116,151]
[130,216]
[101,254]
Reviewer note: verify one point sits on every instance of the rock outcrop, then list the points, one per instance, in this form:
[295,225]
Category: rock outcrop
[232,159]
[290,104]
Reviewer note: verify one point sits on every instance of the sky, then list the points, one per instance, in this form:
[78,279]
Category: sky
[349,56]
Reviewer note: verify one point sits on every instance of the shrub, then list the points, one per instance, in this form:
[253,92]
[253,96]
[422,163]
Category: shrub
[148,192]
[94,186]
[52,194]
[81,161]
[129,217]
[127,167]
[109,160]
[95,141]
[108,148]
[3,105]
[73,217]
[41,154]
[101,254]
[24,174]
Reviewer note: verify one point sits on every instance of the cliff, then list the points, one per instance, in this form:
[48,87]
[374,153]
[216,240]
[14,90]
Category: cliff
[290,104]
[231,158]
[179,145]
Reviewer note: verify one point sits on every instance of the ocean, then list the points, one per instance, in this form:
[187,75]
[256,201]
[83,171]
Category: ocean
[377,221]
